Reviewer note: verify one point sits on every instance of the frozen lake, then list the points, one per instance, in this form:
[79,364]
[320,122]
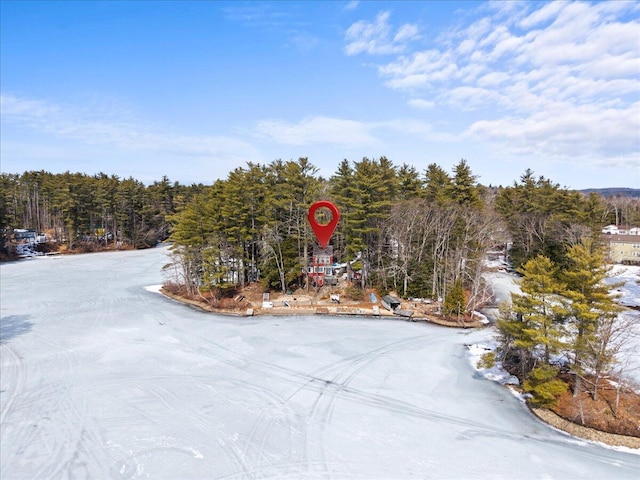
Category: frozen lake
[103,379]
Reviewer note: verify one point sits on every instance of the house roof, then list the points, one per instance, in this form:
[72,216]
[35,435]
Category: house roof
[621,238]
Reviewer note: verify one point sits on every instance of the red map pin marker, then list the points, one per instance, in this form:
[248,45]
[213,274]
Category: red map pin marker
[323,231]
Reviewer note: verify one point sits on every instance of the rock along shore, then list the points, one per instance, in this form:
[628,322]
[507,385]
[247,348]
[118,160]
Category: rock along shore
[585,433]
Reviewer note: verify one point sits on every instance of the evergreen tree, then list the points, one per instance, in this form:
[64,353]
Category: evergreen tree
[455,300]
[593,313]
[542,304]
[437,185]
[464,189]
[352,210]
[244,215]
[409,183]
[542,218]
[544,386]
[535,322]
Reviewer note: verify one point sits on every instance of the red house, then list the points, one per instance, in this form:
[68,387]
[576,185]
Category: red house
[321,271]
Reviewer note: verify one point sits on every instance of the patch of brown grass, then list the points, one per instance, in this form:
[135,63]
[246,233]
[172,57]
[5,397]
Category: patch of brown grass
[607,413]
[206,300]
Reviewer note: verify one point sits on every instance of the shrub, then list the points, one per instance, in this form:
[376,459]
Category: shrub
[353,293]
[488,360]
[544,386]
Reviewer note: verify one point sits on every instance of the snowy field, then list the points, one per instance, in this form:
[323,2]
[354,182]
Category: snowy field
[628,278]
[102,378]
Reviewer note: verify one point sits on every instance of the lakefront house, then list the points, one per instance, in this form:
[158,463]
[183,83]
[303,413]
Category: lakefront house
[623,244]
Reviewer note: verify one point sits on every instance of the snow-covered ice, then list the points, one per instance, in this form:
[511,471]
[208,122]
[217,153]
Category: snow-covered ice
[628,278]
[103,378]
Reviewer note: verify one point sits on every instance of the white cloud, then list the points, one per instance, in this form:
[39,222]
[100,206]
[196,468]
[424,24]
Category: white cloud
[115,130]
[349,133]
[466,46]
[469,98]
[25,108]
[377,38]
[557,79]
[544,14]
[406,32]
[352,5]
[419,70]
[421,104]
[493,79]
[581,133]
[303,41]
[317,130]
[417,128]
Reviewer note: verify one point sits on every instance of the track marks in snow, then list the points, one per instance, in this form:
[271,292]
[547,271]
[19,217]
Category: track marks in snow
[176,408]
[12,380]
[332,380]
[48,421]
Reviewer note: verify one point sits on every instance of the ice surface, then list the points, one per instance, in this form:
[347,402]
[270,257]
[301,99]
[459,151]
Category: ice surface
[629,278]
[102,378]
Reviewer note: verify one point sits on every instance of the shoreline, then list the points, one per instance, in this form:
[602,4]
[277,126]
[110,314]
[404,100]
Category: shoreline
[320,309]
[547,416]
[585,433]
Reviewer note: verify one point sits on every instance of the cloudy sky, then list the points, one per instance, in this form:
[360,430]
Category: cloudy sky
[193,90]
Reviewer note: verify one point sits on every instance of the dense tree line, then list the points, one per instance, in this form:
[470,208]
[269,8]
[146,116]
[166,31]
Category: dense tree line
[75,208]
[544,219]
[420,233]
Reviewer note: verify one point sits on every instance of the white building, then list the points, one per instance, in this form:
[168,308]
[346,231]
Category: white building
[616,230]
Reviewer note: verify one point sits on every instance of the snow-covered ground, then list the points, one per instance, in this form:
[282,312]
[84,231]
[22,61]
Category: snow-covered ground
[102,378]
[629,278]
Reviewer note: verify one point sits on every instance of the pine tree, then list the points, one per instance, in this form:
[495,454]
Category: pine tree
[593,313]
[437,184]
[535,319]
[455,300]
[541,304]
[409,183]
[352,211]
[464,189]
[244,216]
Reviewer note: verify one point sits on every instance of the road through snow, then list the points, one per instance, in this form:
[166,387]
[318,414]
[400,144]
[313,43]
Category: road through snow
[101,378]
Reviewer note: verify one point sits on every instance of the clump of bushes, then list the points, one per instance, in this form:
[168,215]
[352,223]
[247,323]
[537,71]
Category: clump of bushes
[544,386]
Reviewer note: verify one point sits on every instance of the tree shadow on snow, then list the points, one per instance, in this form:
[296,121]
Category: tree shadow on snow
[12,326]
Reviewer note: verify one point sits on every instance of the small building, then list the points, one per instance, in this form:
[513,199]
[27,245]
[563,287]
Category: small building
[620,230]
[623,248]
[322,270]
[390,302]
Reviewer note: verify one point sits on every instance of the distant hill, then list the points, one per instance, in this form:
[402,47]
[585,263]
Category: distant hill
[614,192]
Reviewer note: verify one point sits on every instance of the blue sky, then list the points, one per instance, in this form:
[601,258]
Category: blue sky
[193,90]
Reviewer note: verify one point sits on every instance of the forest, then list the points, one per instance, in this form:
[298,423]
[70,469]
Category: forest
[422,234]
[88,212]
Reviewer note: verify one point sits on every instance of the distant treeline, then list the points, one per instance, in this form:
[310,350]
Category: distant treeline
[422,233]
[614,192]
[75,208]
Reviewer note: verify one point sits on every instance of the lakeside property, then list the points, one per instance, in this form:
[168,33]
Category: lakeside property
[252,301]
